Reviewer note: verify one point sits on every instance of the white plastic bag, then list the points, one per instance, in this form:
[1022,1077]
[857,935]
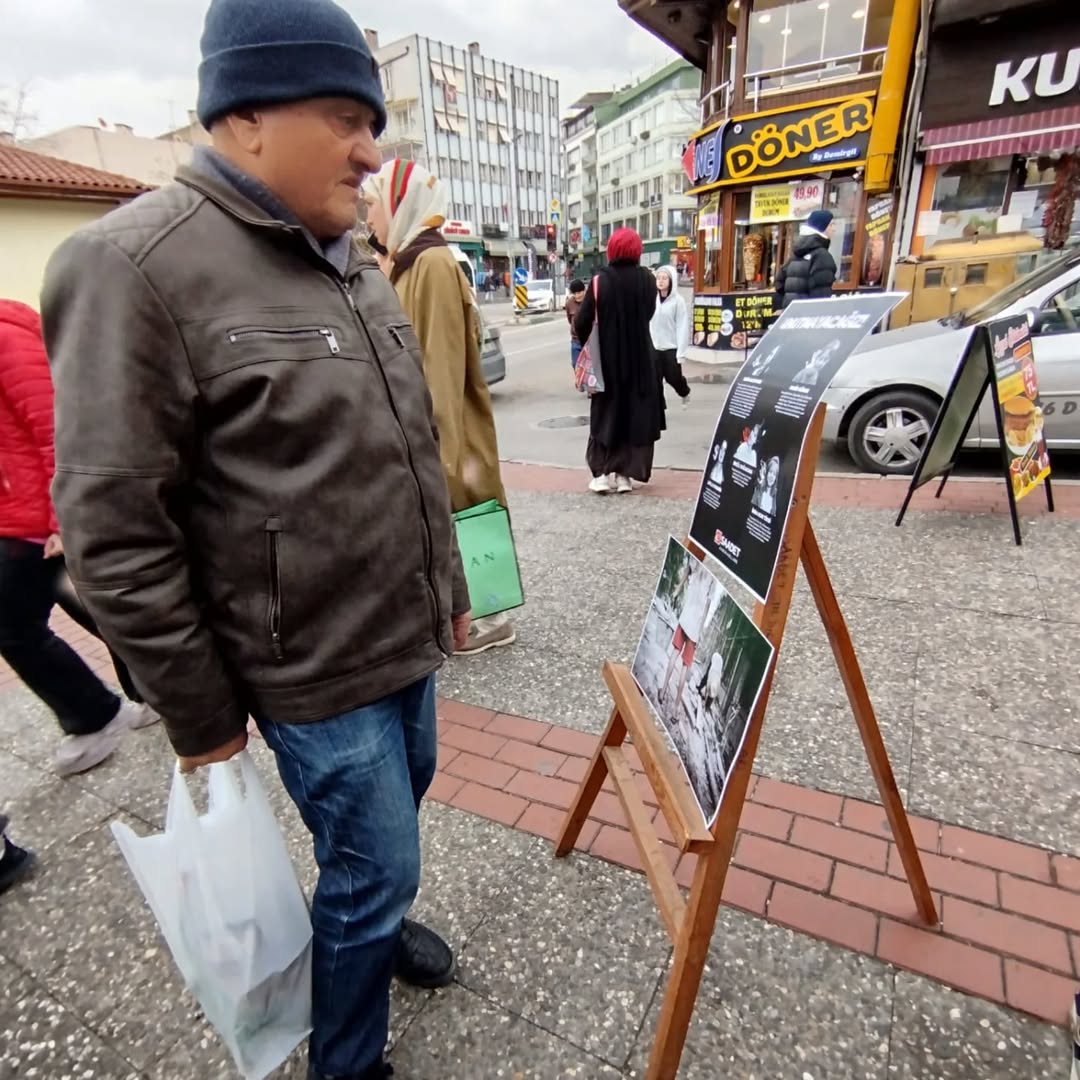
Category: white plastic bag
[226,897]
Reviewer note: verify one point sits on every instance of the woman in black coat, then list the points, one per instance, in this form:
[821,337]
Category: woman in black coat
[810,272]
[626,420]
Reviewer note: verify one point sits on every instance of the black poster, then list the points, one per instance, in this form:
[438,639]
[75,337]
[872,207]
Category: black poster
[732,321]
[745,495]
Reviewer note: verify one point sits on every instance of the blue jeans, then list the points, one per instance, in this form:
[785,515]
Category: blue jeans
[357,780]
[575,352]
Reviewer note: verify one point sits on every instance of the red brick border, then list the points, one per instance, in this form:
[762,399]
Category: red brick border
[814,861]
[856,492]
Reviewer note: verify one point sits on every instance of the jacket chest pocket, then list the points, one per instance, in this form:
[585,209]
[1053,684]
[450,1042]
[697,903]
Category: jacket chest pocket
[240,346]
[403,339]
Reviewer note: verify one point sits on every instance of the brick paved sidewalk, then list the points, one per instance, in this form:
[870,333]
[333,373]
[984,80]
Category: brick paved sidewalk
[810,860]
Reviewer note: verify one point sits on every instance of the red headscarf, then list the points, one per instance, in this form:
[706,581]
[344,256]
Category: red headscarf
[624,246]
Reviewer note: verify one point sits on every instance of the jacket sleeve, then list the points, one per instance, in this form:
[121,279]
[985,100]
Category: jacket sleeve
[27,388]
[126,435]
[778,287]
[583,321]
[682,327]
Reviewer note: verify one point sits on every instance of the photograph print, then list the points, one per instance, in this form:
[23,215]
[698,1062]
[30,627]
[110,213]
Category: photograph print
[701,664]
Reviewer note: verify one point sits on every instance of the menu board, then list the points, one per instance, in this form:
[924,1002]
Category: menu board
[1017,389]
[745,496]
[732,321]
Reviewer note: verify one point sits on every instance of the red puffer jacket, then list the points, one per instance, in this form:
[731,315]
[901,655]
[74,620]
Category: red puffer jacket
[26,426]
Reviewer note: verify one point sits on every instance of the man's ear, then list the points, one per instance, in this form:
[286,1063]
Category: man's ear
[246,128]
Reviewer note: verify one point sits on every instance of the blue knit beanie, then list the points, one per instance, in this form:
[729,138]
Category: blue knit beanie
[820,220]
[269,52]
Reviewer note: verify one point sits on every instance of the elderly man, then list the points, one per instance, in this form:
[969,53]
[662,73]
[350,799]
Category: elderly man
[249,487]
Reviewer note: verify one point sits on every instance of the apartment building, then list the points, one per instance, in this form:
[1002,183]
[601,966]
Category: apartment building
[642,132]
[490,131]
[582,230]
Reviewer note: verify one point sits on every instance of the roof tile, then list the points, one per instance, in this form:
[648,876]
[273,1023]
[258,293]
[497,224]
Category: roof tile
[27,169]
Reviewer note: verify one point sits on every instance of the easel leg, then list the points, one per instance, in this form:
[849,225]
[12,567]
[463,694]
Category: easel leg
[862,707]
[594,781]
[941,486]
[1049,495]
[706,892]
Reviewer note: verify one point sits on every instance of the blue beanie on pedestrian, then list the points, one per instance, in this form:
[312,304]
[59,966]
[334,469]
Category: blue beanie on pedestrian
[269,52]
[819,220]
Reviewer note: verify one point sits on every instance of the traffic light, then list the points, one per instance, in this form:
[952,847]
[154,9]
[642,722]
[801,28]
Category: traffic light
[551,238]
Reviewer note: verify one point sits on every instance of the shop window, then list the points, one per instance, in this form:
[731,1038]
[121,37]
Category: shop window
[1037,175]
[791,45]
[968,199]
[842,198]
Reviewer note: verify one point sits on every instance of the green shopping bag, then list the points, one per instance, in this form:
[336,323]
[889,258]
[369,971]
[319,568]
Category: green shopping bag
[487,550]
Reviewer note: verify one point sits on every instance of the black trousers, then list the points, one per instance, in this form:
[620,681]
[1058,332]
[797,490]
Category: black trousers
[671,371]
[45,662]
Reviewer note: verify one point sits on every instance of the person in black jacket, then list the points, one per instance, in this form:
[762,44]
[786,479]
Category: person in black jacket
[810,272]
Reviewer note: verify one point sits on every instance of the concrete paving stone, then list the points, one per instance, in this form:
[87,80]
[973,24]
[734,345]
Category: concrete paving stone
[452,900]
[1011,789]
[42,1038]
[576,947]
[461,1036]
[45,809]
[1010,677]
[946,1035]
[828,1010]
[105,959]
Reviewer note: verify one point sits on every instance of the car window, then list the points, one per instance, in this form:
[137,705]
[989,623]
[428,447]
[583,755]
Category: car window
[1008,296]
[1061,313]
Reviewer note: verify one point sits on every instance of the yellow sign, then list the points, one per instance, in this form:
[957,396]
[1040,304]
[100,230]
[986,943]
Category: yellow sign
[770,202]
[801,140]
[770,146]
[682,242]
[521,297]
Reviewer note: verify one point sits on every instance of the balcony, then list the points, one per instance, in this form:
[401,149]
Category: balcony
[494,232]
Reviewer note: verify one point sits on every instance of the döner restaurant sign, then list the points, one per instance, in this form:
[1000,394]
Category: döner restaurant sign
[789,142]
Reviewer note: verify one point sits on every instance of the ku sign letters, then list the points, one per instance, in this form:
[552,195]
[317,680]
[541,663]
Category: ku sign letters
[789,142]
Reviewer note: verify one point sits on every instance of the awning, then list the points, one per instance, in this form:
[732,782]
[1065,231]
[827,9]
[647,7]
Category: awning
[506,248]
[500,90]
[448,122]
[1035,133]
[437,72]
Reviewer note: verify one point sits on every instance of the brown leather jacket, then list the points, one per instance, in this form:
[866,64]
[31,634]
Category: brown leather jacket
[248,479]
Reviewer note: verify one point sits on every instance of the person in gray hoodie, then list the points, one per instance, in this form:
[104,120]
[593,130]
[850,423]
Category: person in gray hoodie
[670,330]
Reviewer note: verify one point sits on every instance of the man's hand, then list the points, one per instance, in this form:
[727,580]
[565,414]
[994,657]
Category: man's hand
[461,624]
[54,546]
[222,753]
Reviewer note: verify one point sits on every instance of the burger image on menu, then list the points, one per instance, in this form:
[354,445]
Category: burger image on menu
[1023,421]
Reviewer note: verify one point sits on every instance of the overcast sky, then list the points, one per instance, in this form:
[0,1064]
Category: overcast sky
[135,61]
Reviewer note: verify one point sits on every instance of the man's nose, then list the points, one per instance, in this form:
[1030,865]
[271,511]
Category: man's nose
[365,154]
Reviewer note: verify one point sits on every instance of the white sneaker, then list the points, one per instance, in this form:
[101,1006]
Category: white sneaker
[139,715]
[624,485]
[600,485]
[686,402]
[80,753]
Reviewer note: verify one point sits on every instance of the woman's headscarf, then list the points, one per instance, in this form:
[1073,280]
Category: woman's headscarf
[413,199]
[624,246]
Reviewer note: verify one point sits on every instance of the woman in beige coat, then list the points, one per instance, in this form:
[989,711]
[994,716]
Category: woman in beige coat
[406,205]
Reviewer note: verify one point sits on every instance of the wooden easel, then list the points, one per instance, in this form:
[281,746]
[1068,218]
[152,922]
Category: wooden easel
[690,922]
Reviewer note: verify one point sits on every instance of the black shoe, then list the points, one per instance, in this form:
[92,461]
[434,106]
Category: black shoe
[423,958]
[379,1071]
[15,865]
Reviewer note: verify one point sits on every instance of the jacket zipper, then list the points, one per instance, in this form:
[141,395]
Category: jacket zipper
[273,615]
[321,331]
[430,553]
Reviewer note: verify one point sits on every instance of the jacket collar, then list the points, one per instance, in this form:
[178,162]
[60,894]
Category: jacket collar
[429,238]
[250,201]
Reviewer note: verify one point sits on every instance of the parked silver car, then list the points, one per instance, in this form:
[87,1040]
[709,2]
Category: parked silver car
[884,400]
[493,360]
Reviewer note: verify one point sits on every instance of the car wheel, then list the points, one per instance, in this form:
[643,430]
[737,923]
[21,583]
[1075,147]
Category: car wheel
[888,433]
